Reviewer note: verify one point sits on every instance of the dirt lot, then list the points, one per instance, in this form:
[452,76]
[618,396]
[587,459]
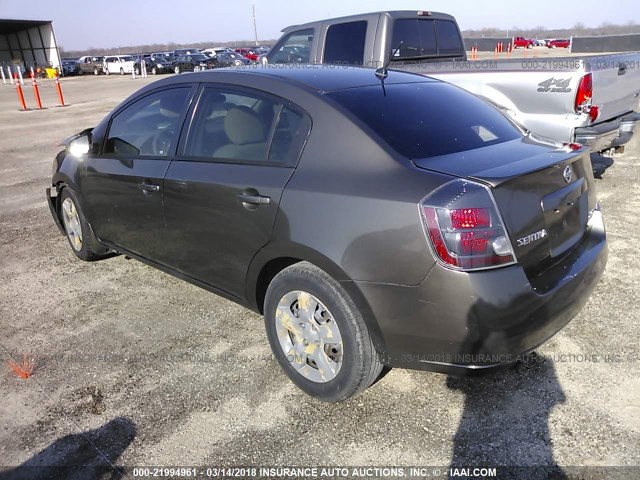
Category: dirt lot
[138,368]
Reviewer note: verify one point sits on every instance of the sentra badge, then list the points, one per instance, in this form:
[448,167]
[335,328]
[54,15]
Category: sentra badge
[534,237]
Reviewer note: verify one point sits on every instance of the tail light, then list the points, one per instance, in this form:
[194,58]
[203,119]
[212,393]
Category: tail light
[464,227]
[584,96]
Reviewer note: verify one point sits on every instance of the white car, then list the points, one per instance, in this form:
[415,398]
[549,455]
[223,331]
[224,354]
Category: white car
[216,50]
[118,64]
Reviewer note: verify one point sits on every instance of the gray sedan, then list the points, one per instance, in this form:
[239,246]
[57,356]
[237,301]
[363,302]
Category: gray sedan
[373,219]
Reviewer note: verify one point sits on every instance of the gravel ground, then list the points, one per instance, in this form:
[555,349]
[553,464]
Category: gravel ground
[135,367]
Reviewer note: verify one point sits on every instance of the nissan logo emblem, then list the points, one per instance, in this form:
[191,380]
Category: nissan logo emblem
[567,174]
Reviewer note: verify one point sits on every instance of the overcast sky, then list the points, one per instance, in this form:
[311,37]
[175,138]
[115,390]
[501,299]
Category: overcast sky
[82,24]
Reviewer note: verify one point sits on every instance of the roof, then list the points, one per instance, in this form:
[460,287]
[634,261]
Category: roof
[394,14]
[8,26]
[326,78]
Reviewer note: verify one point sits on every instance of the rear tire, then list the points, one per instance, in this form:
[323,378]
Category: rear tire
[96,71]
[154,71]
[121,71]
[78,232]
[176,70]
[318,335]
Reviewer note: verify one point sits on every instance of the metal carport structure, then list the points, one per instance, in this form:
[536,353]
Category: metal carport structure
[29,42]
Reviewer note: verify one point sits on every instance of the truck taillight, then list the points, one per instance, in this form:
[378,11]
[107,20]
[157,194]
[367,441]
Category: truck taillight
[584,98]
[464,227]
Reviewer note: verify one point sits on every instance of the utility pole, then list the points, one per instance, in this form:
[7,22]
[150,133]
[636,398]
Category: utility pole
[255,27]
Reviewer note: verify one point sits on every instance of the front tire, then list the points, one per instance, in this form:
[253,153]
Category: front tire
[154,71]
[176,70]
[318,335]
[78,232]
[121,71]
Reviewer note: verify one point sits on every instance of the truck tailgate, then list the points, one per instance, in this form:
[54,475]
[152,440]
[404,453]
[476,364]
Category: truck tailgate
[616,83]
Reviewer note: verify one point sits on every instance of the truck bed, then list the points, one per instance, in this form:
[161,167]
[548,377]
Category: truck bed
[540,93]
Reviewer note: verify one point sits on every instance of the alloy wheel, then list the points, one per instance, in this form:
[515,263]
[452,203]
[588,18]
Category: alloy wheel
[72,226]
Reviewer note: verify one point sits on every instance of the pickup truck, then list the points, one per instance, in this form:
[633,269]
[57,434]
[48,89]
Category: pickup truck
[591,100]
[521,42]
[89,64]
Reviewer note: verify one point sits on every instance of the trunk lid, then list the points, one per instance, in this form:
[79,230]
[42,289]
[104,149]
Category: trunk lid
[545,214]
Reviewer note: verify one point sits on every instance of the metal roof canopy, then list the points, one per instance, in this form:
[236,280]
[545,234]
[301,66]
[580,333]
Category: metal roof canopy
[14,26]
[29,42]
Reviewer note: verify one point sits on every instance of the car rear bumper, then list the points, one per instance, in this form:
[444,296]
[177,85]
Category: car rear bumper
[598,137]
[611,134]
[458,322]
[628,126]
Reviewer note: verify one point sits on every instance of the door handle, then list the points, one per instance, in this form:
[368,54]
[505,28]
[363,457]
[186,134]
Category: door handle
[254,199]
[149,188]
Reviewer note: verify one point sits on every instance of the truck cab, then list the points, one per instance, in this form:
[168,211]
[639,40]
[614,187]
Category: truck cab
[592,100]
[409,36]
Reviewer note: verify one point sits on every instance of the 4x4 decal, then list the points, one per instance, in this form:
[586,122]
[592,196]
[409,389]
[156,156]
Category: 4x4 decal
[555,85]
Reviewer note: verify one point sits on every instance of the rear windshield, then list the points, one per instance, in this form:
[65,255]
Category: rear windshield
[421,120]
[414,38]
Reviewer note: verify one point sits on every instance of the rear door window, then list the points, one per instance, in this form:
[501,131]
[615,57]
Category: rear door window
[242,126]
[345,43]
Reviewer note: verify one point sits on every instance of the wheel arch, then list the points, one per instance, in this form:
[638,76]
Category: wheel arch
[271,260]
[59,186]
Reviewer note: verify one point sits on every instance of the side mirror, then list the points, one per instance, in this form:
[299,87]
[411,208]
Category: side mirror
[80,146]
[264,61]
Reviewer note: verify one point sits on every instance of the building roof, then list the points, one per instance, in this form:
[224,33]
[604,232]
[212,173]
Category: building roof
[8,26]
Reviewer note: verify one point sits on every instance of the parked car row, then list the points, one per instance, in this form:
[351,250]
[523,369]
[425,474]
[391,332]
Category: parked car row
[522,42]
[176,61]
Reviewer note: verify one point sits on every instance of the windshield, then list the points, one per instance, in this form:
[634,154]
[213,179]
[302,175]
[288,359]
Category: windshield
[421,120]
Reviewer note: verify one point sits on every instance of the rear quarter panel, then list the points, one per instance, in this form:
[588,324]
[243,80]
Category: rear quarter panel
[356,205]
[541,100]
